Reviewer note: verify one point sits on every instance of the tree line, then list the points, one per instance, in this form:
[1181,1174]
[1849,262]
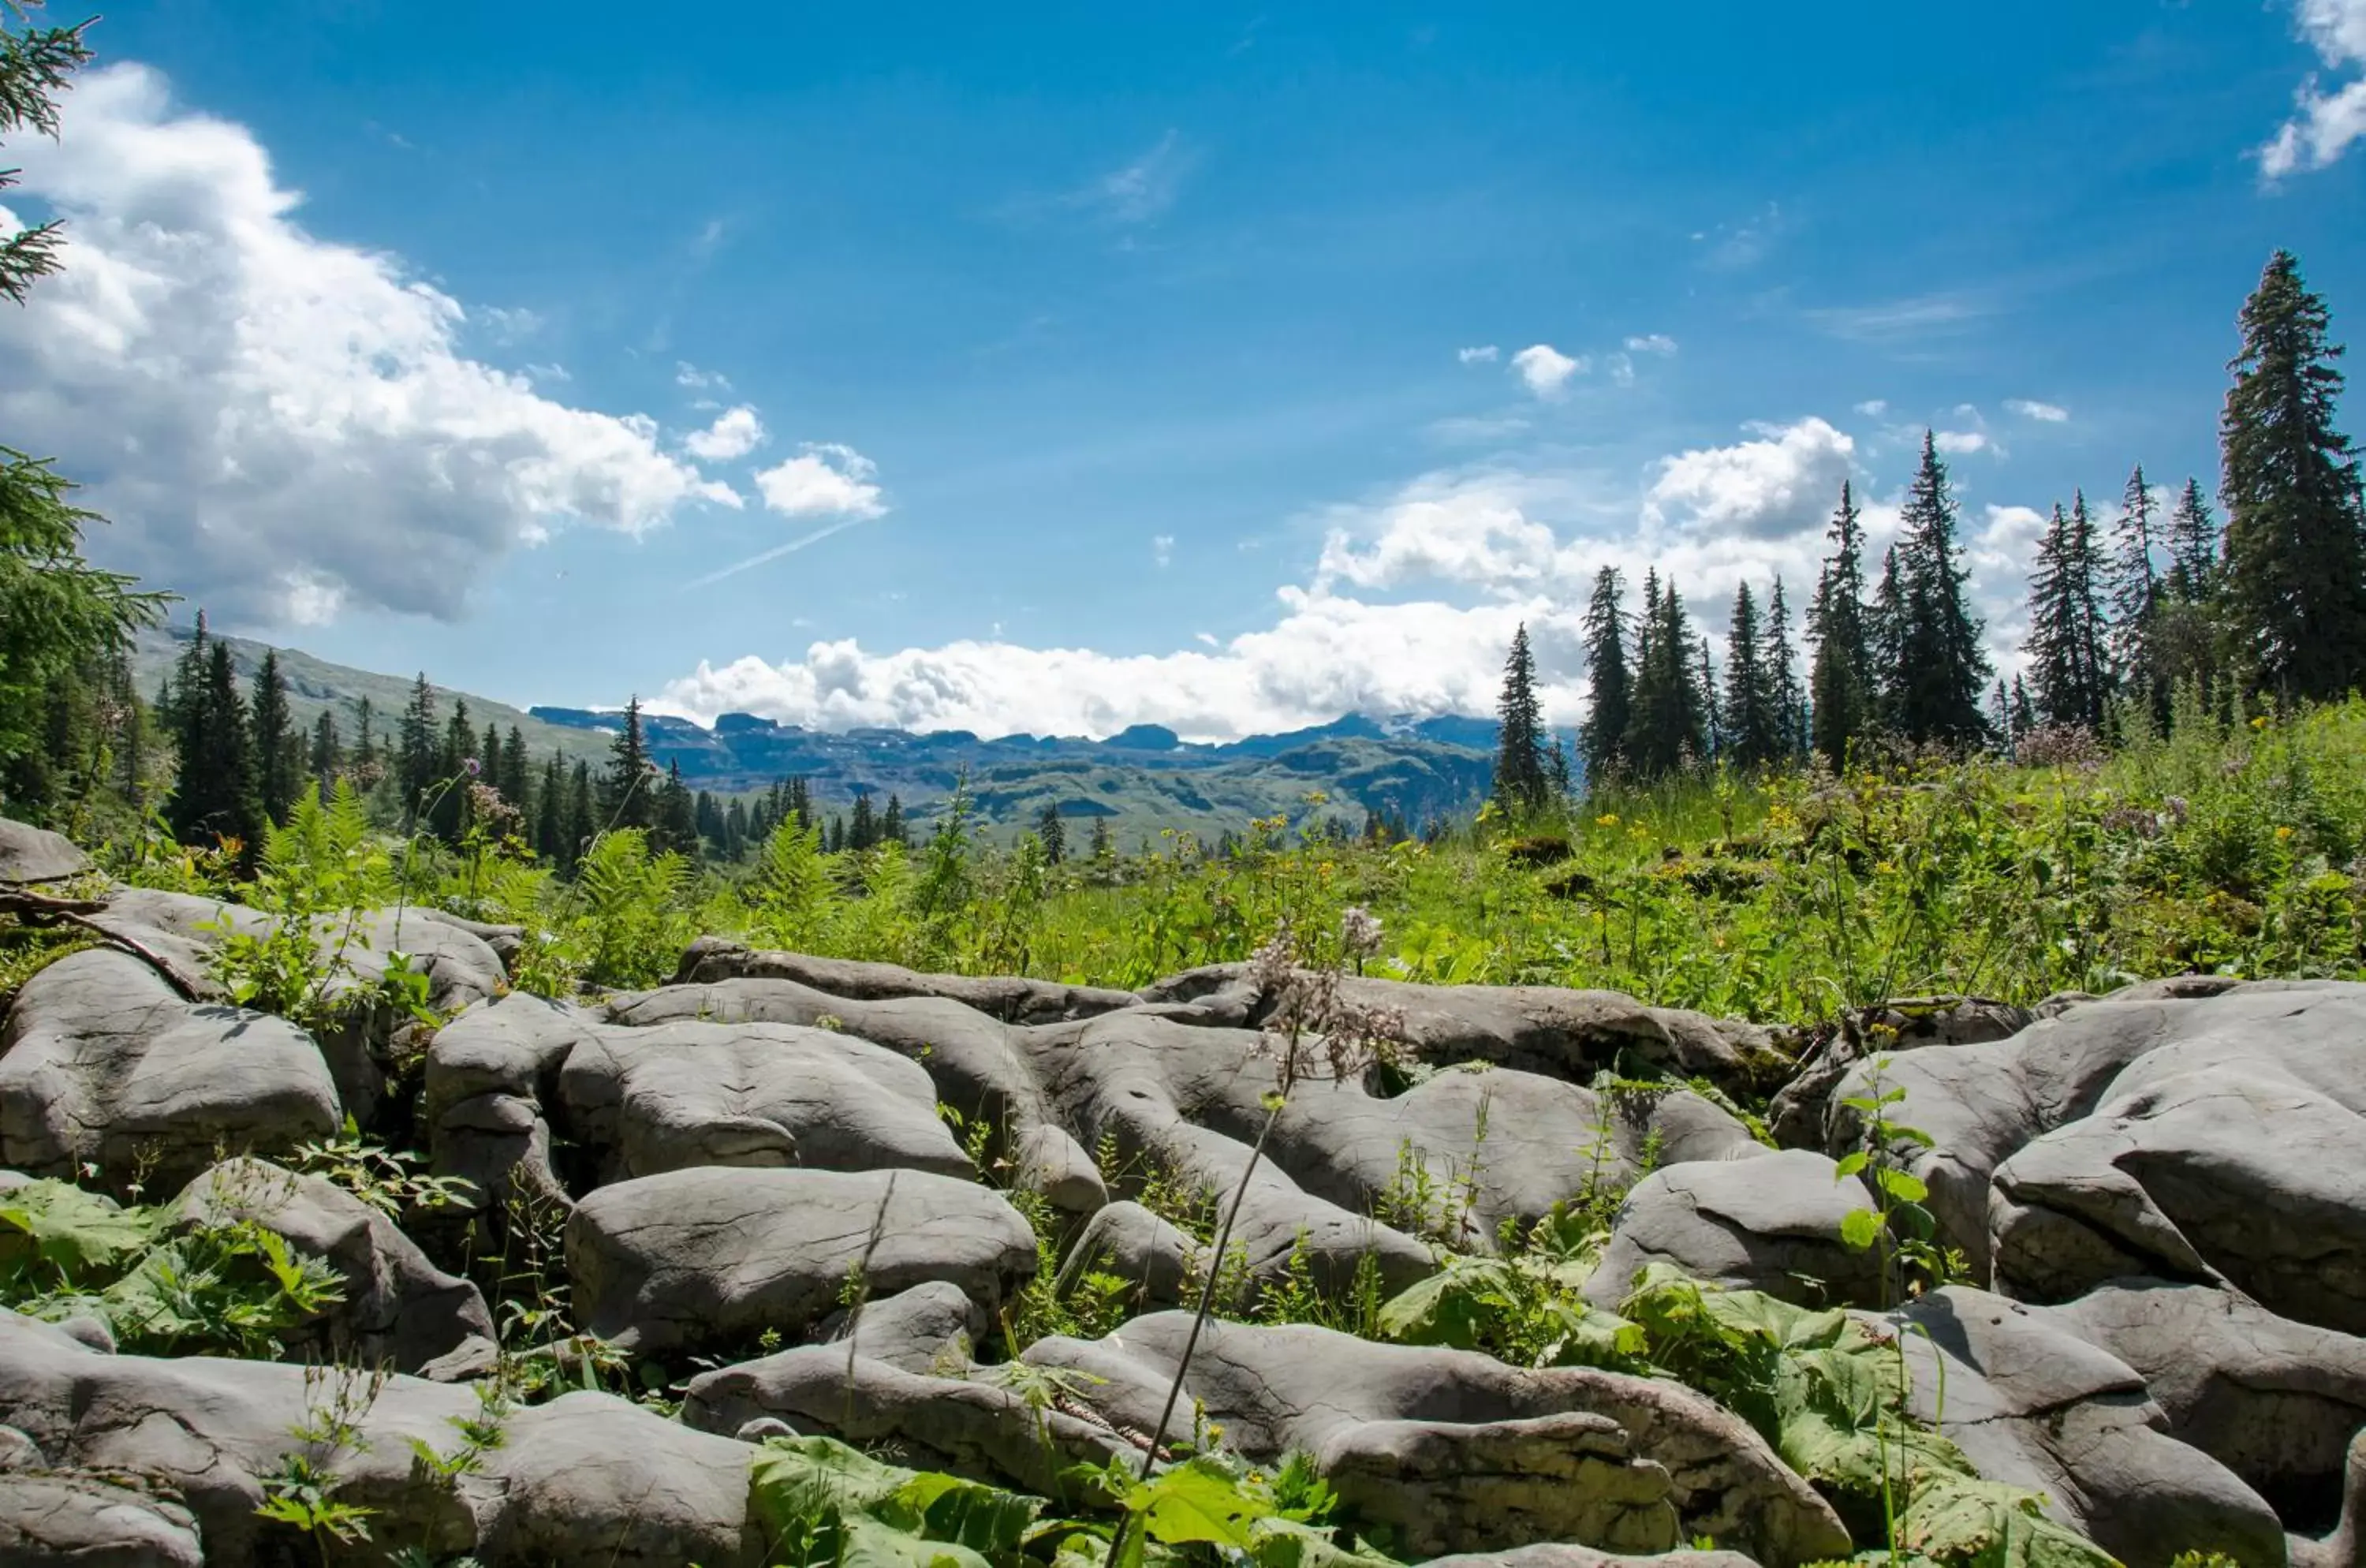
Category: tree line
[2127,618]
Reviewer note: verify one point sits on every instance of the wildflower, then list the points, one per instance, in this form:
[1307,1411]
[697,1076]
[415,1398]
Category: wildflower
[1608,819]
[1359,931]
[2284,833]
[2178,807]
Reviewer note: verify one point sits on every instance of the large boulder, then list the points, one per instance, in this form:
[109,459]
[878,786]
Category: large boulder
[666,1096]
[710,1256]
[2275,1402]
[355,953]
[1982,1104]
[30,855]
[1473,1148]
[586,1478]
[971,1057]
[2234,1160]
[1543,1029]
[1771,1223]
[70,1519]
[102,1062]
[2033,1404]
[1182,1105]
[1459,1452]
[398,1310]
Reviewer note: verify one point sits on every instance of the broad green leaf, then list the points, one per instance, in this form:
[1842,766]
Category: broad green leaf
[1860,1227]
[966,1513]
[1849,1165]
[868,1543]
[1286,1543]
[55,1225]
[1776,1321]
[1985,1524]
[1195,1501]
[1901,1185]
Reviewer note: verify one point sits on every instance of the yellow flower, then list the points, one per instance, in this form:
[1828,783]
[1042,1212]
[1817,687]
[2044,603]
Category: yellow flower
[2260,722]
[2282,833]
[1886,868]
[1608,819]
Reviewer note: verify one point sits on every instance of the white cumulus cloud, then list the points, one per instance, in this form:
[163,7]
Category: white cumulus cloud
[825,479]
[735,432]
[279,425]
[2045,413]
[1781,482]
[2323,124]
[1545,369]
[1961,443]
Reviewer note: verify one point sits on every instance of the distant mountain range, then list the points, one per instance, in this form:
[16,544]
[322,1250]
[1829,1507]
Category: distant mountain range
[1144,780]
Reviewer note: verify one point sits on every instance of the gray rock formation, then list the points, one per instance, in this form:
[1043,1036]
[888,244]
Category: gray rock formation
[29,855]
[1008,999]
[2033,1404]
[2273,1400]
[2293,1043]
[1771,1224]
[711,1256]
[102,1062]
[400,1310]
[586,1478]
[1459,1451]
[1543,1029]
[458,968]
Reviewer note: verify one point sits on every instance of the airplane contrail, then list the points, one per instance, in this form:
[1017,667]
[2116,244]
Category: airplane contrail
[775,553]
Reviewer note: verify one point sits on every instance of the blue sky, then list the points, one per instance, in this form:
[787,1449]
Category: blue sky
[1220,367]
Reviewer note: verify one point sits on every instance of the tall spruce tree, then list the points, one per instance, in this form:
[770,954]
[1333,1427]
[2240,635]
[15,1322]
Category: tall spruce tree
[214,796]
[1051,832]
[2066,635]
[516,775]
[2295,521]
[1522,785]
[274,781]
[1751,726]
[2192,547]
[2136,587]
[582,816]
[627,792]
[550,809]
[1602,737]
[1840,681]
[416,749]
[1777,656]
[1942,671]
[1885,631]
[1670,729]
[863,824]
[325,758]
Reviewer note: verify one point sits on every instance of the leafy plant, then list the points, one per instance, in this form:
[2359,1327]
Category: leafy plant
[387,1180]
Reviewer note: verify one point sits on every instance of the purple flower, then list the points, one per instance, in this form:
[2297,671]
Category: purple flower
[472,766]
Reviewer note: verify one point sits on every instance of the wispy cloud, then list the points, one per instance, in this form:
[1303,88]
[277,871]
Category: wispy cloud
[2324,125]
[1651,342]
[1162,550]
[1736,247]
[1898,320]
[1874,408]
[2045,413]
[1140,190]
[509,325]
[1483,353]
[775,553]
[685,374]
